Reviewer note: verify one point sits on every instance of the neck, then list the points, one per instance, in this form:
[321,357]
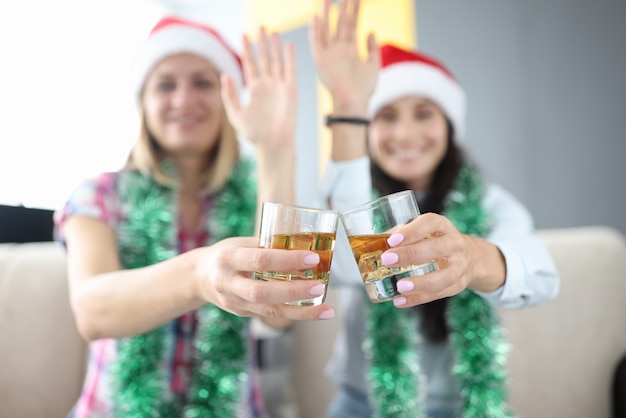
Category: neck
[189,169]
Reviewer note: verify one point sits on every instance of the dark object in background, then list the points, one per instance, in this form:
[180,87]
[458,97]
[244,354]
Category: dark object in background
[619,389]
[20,224]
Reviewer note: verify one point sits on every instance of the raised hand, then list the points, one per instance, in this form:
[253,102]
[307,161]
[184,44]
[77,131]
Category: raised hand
[349,78]
[268,120]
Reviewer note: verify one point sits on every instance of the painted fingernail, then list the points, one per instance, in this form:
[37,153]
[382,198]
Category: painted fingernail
[311,259]
[395,239]
[389,258]
[327,314]
[404,285]
[317,290]
[399,301]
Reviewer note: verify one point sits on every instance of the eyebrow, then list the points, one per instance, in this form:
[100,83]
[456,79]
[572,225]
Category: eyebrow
[197,73]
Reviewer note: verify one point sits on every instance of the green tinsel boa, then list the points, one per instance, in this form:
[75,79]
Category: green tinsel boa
[147,235]
[397,388]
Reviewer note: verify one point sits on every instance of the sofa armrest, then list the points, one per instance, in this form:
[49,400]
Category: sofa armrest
[42,356]
[564,352]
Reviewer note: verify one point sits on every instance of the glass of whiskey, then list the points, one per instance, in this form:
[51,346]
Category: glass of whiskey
[368,226]
[293,227]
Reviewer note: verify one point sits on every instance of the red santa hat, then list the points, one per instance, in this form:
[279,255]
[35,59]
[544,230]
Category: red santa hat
[405,73]
[173,35]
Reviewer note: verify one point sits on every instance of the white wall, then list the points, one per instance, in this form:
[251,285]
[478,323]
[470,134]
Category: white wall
[546,82]
[66,111]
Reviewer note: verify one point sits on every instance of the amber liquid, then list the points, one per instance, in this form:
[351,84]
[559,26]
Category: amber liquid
[380,280]
[322,243]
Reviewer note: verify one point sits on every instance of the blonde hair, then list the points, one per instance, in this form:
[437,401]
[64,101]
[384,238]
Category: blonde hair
[147,155]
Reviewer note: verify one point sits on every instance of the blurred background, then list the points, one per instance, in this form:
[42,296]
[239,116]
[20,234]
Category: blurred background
[546,83]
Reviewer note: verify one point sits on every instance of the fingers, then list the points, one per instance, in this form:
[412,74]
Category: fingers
[373,52]
[277,60]
[250,69]
[324,24]
[426,288]
[345,30]
[347,20]
[315,34]
[424,251]
[261,259]
[259,292]
[263,51]
[228,267]
[268,298]
[270,60]
[424,226]
[248,297]
[342,20]
[290,63]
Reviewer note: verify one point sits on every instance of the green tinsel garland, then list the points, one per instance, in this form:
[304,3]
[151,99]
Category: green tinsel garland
[147,235]
[396,385]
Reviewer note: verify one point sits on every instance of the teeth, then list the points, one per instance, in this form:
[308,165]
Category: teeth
[184,120]
[405,153]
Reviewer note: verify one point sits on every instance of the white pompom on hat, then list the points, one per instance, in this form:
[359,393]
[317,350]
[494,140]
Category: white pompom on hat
[406,73]
[173,35]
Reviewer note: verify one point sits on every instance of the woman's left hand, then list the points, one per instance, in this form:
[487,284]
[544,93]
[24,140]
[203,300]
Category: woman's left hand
[464,261]
[268,119]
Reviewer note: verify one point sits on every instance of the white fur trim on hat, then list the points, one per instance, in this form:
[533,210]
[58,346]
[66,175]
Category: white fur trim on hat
[178,36]
[409,78]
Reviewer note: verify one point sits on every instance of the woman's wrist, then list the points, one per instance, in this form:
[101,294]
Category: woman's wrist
[355,108]
[490,266]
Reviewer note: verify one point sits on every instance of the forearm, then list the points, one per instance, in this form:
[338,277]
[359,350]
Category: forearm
[130,302]
[276,176]
[276,184]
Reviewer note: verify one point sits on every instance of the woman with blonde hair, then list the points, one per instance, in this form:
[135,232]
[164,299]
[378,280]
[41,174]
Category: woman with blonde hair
[159,282]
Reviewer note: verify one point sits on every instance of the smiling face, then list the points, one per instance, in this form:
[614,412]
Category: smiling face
[408,138]
[182,105]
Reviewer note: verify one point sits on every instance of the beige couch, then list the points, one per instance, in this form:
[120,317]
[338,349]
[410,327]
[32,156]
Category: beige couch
[561,364]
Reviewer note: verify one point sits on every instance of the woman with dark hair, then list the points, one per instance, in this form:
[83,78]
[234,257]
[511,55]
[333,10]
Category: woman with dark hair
[437,349]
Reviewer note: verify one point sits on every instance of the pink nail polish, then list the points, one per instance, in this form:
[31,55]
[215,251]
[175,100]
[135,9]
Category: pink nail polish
[389,258]
[404,286]
[395,239]
[311,259]
[317,290]
[327,314]
[399,301]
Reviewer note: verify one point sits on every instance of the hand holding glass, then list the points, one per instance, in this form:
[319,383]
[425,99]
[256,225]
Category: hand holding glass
[297,228]
[368,227]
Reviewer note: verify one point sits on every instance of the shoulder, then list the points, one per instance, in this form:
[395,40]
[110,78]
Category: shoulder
[94,197]
[505,211]
[101,184]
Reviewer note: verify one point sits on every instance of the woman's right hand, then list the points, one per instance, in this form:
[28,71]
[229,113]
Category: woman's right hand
[224,278]
[349,79]
[268,118]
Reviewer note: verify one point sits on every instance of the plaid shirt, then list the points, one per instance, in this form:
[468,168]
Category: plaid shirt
[97,198]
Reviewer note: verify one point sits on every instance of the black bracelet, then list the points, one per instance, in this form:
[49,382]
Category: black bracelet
[346,119]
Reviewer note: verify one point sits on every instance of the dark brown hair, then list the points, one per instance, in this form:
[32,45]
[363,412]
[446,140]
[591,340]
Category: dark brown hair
[433,323]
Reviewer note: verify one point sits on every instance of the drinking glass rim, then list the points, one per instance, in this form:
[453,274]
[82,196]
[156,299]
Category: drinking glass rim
[301,208]
[366,205]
